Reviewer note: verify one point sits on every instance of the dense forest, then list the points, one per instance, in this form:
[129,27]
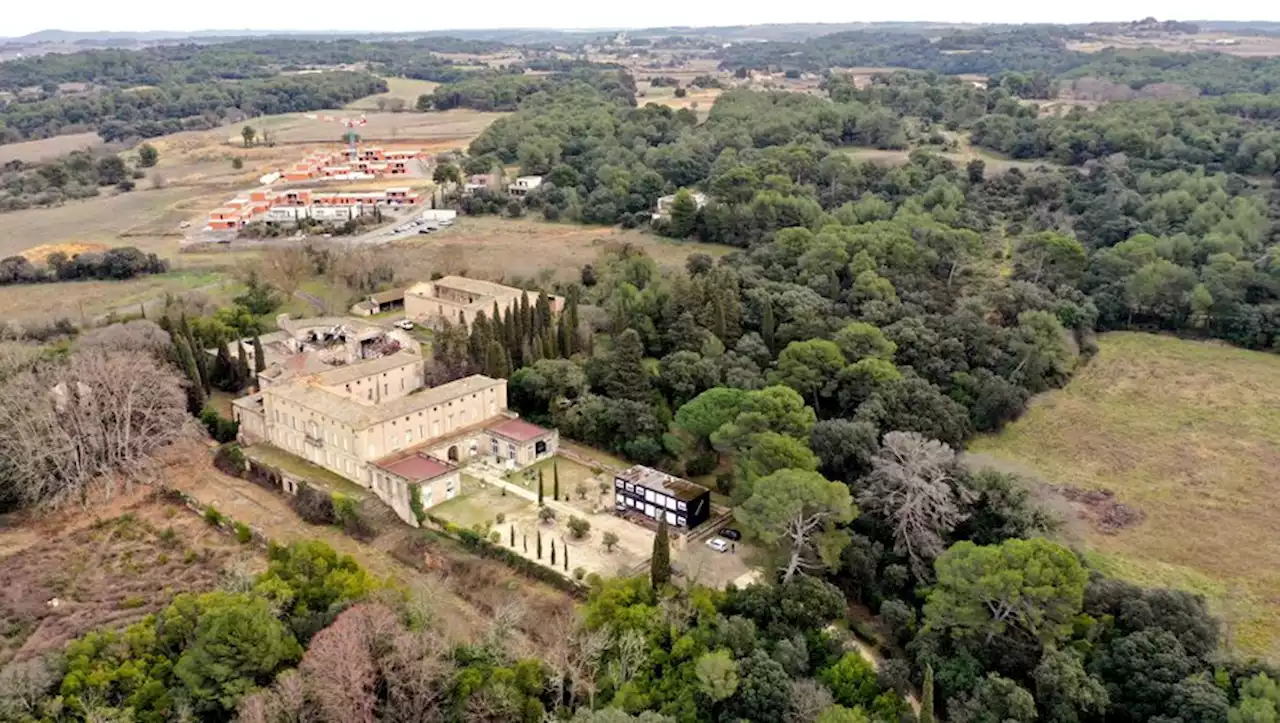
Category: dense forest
[156,111]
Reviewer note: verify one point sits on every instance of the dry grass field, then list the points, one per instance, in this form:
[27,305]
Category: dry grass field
[406,89]
[48,148]
[1188,433]
[453,126]
[496,248]
[105,570]
[1257,46]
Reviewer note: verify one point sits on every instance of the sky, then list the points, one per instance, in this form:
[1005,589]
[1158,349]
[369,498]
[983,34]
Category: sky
[22,16]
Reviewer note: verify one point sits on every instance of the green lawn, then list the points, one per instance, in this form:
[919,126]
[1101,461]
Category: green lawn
[571,473]
[272,455]
[1189,433]
[477,504]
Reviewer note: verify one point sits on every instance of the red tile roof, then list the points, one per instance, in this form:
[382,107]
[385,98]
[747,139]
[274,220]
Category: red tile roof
[417,467]
[517,429]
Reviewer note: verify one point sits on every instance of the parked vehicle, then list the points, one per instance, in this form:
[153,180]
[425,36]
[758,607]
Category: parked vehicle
[718,544]
[730,534]
[405,324]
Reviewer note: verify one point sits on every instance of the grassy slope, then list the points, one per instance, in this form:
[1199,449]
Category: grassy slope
[407,89]
[1188,432]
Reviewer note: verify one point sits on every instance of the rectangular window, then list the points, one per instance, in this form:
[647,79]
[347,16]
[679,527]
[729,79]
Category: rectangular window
[680,506]
[408,435]
[679,520]
[630,487]
[617,484]
[511,451]
[494,447]
[619,499]
[649,496]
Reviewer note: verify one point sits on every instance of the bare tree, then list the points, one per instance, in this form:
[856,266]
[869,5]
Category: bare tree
[284,267]
[418,678]
[64,426]
[910,489]
[339,667]
[23,686]
[139,335]
[808,700]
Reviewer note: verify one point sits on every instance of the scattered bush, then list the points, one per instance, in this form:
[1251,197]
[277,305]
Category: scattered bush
[579,573]
[220,428]
[212,516]
[243,534]
[314,506]
[546,515]
[578,527]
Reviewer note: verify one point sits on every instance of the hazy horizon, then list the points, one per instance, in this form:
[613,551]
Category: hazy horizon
[141,16]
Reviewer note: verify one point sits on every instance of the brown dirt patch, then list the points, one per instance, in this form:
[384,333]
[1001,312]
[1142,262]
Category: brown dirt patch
[1100,507]
[40,254]
[65,575]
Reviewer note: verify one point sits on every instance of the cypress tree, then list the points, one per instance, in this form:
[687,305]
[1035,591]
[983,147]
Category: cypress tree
[539,544]
[555,480]
[926,696]
[539,488]
[478,342]
[660,564]
[513,535]
[195,390]
[242,366]
[566,340]
[224,370]
[525,538]
[566,557]
[496,361]
[462,319]
[527,325]
[553,553]
[721,328]
[767,324]
[544,310]
[571,314]
[259,359]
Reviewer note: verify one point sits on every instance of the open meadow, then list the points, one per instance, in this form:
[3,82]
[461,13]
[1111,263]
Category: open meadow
[406,90]
[1187,434]
[496,248]
[47,149]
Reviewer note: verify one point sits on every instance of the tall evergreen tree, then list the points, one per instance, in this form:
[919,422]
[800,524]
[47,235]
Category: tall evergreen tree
[496,365]
[571,320]
[555,481]
[767,326]
[565,339]
[513,536]
[926,696]
[242,367]
[719,326]
[628,377]
[539,544]
[259,359]
[566,557]
[543,310]
[553,552]
[224,369]
[195,388]
[660,564]
[540,503]
[478,343]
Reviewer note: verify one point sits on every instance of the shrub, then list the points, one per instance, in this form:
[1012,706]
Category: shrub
[243,534]
[495,537]
[212,516]
[168,537]
[701,464]
[578,527]
[610,541]
[314,506]
[131,603]
[579,573]
[229,459]
[546,514]
[220,428]
[501,518]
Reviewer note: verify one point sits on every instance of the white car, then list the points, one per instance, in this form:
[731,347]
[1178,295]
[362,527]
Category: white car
[719,544]
[405,324]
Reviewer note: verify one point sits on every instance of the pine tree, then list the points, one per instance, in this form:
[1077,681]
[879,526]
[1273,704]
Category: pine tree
[926,696]
[259,359]
[660,565]
[767,324]
[539,488]
[553,553]
[555,481]
[539,544]
[628,376]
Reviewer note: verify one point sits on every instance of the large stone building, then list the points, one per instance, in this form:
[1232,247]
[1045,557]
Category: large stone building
[458,299]
[375,423]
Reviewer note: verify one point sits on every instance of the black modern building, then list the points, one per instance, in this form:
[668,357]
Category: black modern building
[658,495]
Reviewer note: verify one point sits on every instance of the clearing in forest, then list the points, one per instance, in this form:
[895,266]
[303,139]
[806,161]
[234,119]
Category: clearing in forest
[1186,435]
